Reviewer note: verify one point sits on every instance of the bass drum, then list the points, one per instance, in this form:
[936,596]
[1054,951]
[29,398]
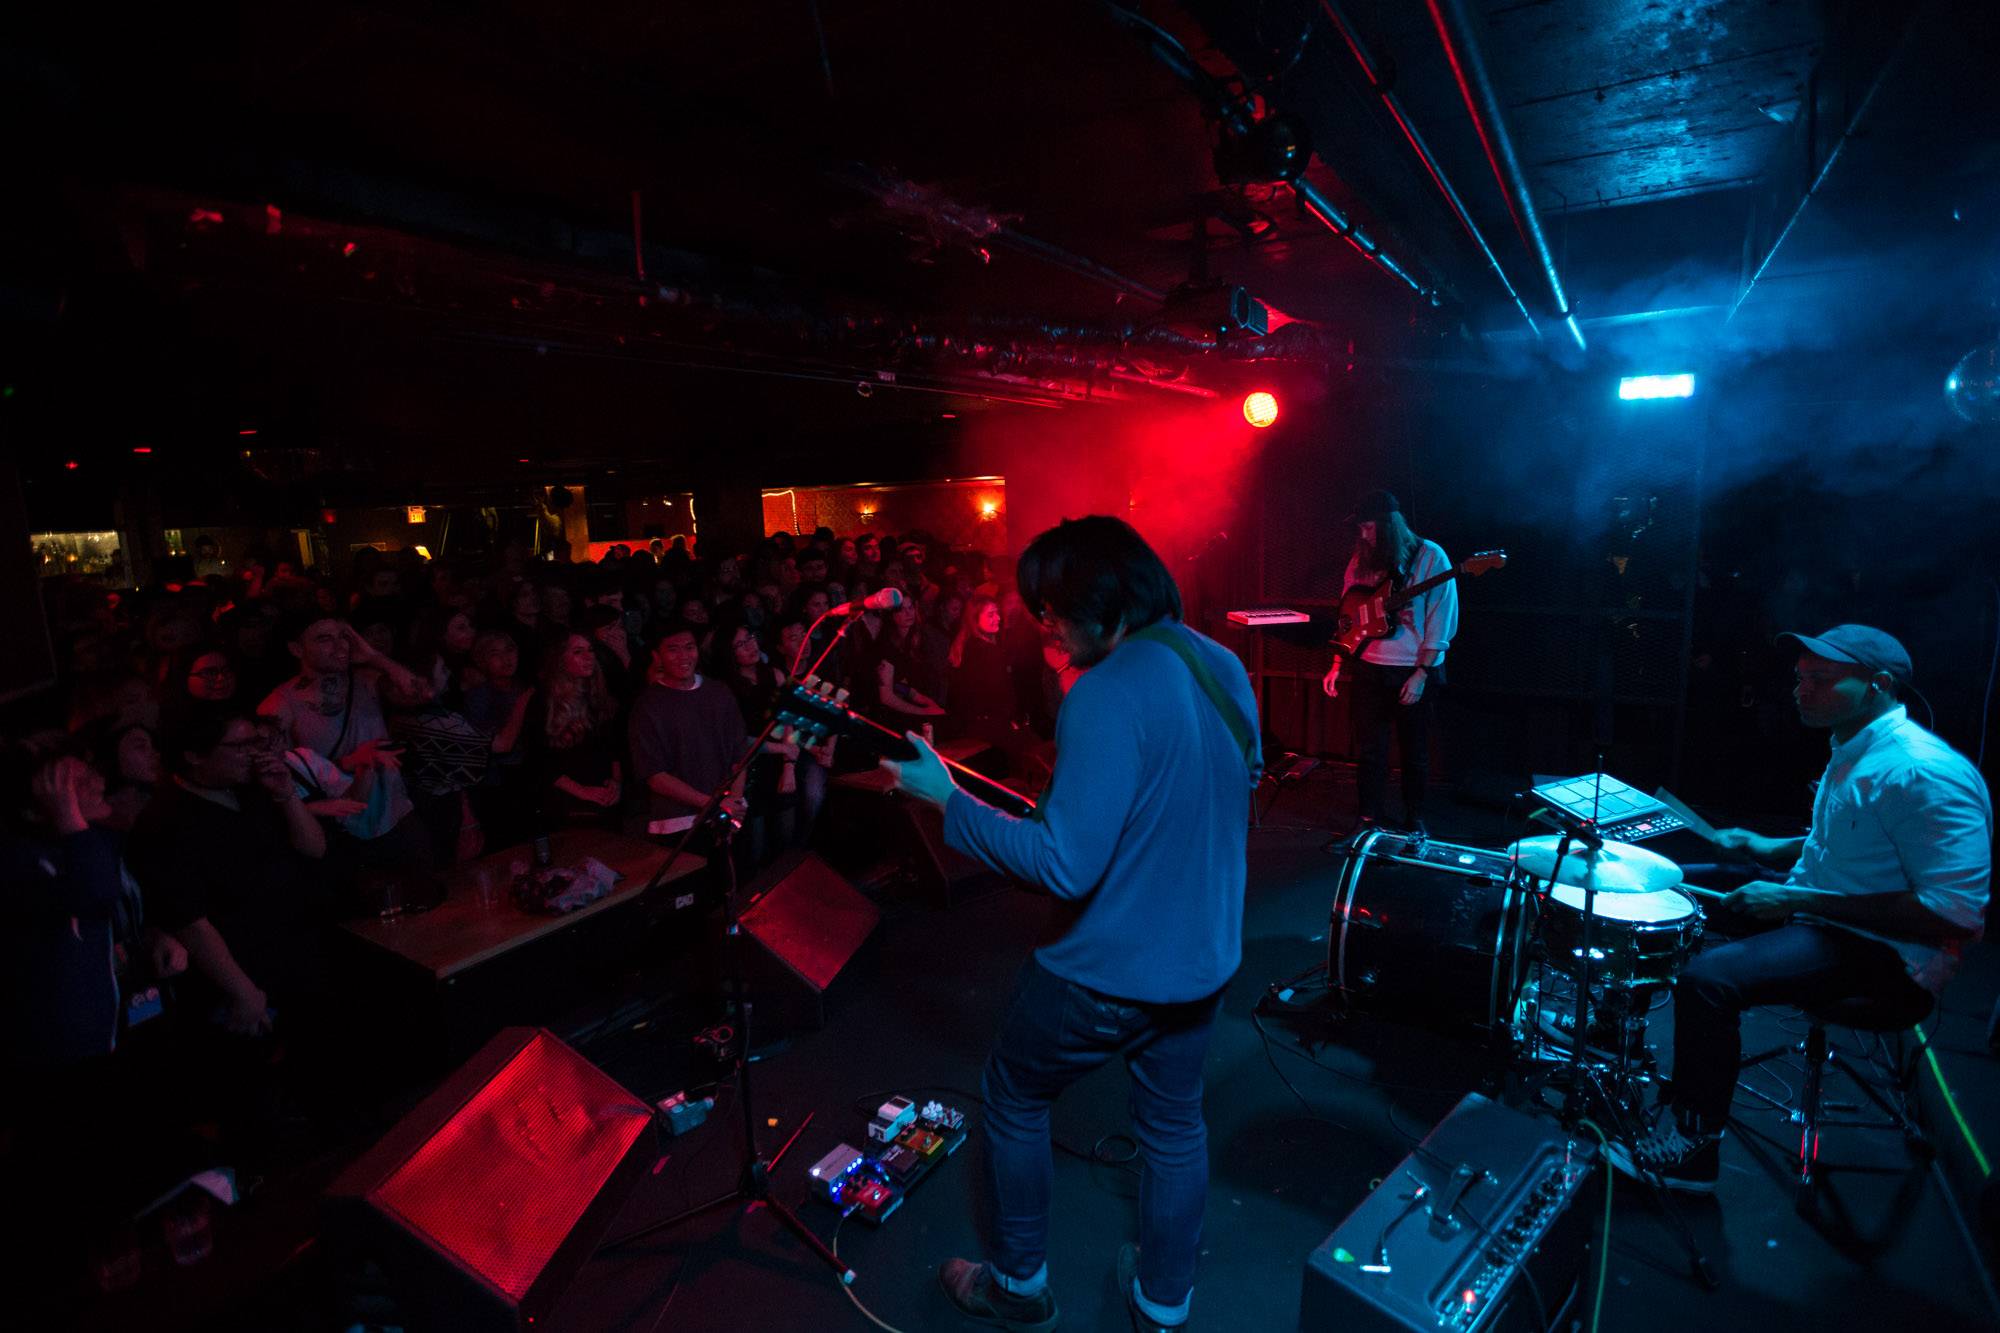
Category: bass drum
[1431,932]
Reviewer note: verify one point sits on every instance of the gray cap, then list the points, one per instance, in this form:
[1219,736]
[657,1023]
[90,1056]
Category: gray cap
[1862,645]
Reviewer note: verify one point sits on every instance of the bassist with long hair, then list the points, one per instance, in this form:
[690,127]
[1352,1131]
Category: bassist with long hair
[1392,681]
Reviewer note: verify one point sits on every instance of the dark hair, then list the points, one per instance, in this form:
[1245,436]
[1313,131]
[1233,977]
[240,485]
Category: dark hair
[198,729]
[1394,550]
[293,627]
[666,629]
[1097,572]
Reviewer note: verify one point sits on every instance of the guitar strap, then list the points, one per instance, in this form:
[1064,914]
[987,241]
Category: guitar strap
[1163,633]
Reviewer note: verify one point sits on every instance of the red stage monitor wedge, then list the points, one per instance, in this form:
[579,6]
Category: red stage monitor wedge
[485,1201]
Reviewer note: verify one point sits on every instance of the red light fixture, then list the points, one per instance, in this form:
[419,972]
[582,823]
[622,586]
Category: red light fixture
[1260,409]
[142,448]
[72,465]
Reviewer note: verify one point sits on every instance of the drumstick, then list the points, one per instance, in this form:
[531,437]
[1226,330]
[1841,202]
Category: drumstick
[1700,892]
[1696,824]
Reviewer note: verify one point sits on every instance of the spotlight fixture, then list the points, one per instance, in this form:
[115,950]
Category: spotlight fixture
[1637,387]
[1275,148]
[1260,409]
[1214,310]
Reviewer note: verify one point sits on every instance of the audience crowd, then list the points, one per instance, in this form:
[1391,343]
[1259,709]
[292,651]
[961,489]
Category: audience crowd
[238,758]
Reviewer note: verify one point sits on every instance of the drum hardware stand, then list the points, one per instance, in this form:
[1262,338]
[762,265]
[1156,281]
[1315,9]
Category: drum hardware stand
[1585,1086]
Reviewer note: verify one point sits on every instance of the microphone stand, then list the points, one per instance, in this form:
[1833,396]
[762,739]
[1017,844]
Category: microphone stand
[753,1186]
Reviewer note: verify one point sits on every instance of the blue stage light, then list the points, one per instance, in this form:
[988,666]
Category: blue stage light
[1656,386]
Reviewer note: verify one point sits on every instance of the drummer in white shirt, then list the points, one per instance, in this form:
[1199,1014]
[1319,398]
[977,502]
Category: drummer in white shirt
[1885,890]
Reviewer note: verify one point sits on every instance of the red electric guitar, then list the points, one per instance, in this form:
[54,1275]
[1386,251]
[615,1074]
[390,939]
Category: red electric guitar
[1368,613]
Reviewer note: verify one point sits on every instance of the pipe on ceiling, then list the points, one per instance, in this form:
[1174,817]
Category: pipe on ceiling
[1338,18]
[1238,118]
[1468,67]
[1825,168]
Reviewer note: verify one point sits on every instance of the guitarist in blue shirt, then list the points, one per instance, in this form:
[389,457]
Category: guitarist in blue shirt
[1392,681]
[1141,838]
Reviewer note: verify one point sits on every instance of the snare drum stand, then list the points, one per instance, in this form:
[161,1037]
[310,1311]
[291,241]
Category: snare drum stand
[1586,1088]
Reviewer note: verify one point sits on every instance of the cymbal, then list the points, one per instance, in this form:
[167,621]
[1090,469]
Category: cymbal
[1616,867]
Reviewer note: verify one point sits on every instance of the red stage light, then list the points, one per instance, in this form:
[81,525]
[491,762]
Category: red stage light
[1260,409]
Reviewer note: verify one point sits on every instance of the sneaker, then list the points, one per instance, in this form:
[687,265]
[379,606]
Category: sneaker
[1678,1158]
[1128,1273]
[983,1301]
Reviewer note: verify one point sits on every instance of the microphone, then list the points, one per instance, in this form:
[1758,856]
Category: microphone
[1583,831]
[885,599]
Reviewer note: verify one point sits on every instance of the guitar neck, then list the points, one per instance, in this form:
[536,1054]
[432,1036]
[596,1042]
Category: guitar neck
[891,744]
[1416,590]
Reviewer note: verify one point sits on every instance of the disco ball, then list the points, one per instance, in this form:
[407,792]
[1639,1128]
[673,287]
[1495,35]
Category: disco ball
[1973,387]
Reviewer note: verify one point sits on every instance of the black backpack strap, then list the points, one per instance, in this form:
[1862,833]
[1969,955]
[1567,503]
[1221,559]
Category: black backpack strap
[1164,633]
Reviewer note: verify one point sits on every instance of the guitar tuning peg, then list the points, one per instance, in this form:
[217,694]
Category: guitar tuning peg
[840,696]
[826,689]
[810,681]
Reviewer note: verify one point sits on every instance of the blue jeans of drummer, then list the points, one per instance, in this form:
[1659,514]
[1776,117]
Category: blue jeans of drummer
[1056,1032]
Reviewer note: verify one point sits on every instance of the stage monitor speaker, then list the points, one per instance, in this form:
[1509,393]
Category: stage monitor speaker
[1499,1196]
[801,930]
[27,658]
[483,1203]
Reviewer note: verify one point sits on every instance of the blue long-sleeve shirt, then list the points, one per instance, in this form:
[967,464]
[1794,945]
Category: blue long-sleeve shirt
[1142,833]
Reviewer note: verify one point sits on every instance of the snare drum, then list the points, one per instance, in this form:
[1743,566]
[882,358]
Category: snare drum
[1636,939]
[1429,930]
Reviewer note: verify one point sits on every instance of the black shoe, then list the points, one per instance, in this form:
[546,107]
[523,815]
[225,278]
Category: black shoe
[1678,1157]
[983,1301]
[1128,1275]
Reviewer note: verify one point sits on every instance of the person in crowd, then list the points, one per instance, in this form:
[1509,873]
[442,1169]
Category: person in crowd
[223,851]
[337,706]
[498,705]
[624,673]
[899,665]
[441,649]
[127,756]
[686,733]
[79,971]
[814,764]
[523,623]
[774,783]
[248,636]
[200,673]
[696,614]
[570,749]
[982,701]
[556,606]
[208,561]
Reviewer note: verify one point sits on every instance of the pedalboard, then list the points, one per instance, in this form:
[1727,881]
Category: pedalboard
[905,1144]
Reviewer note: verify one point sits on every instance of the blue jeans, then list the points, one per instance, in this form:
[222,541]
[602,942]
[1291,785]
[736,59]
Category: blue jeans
[1801,963]
[1055,1033]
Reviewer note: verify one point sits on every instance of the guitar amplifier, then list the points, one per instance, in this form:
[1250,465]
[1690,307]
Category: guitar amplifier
[1443,1242]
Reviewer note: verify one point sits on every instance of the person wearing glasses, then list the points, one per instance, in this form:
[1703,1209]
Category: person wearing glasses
[221,851]
[1880,898]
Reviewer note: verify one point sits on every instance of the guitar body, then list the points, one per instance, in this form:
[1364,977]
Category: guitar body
[1365,616]
[1370,612]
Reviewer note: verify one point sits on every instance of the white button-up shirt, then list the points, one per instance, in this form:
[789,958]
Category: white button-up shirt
[1899,810]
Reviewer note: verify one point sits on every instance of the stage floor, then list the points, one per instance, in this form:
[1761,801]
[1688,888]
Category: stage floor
[916,1015]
